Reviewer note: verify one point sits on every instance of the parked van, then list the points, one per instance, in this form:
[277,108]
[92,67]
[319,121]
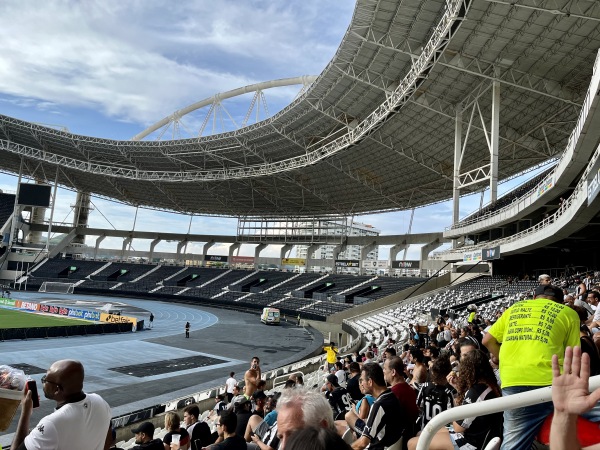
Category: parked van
[270,316]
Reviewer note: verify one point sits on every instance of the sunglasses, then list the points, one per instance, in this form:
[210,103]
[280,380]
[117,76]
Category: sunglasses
[45,380]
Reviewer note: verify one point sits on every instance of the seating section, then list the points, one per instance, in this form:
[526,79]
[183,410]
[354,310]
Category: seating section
[491,295]
[312,295]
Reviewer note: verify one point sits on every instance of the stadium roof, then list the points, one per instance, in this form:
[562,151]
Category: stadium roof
[374,132]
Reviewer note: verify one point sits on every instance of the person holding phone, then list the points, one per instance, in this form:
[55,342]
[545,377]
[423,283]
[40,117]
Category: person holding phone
[80,420]
[252,377]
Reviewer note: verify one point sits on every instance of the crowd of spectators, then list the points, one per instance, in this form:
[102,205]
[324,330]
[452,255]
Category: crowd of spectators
[389,393]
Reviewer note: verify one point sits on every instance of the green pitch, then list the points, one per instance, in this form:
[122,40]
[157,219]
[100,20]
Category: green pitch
[17,319]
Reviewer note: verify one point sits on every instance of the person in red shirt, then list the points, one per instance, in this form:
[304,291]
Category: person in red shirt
[393,372]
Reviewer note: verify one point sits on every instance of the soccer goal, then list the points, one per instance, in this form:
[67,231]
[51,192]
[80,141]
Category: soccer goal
[56,287]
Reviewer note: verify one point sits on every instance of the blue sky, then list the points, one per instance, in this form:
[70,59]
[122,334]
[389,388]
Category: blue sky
[111,68]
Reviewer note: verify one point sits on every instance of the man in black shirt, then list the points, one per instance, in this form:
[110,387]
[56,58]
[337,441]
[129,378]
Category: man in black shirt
[226,426]
[352,384]
[382,428]
[338,397]
[144,438]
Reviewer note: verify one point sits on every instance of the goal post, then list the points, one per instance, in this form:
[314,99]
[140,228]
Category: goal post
[56,287]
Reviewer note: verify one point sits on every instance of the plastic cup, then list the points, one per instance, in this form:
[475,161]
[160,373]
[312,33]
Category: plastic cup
[175,441]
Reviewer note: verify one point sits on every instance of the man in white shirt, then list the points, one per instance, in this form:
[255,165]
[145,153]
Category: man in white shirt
[80,421]
[229,385]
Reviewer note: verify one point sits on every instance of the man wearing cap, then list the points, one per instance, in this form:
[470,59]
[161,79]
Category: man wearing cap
[242,411]
[260,399]
[338,397]
[530,331]
[144,438]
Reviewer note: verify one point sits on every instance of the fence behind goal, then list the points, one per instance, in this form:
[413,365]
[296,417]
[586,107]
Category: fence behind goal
[56,287]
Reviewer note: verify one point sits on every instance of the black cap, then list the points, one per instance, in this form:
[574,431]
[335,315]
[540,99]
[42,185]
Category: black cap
[259,394]
[241,402]
[549,291]
[144,427]
[333,380]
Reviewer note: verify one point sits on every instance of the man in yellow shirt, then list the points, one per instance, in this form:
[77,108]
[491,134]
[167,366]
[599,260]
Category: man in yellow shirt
[530,331]
[332,352]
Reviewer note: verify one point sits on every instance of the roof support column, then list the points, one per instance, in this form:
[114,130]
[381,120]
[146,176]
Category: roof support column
[336,253]
[232,249]
[310,251]
[205,249]
[494,140]
[98,241]
[428,248]
[457,164]
[126,242]
[364,251]
[152,246]
[180,245]
[284,250]
[259,248]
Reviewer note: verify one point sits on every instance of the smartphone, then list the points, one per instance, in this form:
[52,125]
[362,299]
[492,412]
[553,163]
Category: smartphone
[32,386]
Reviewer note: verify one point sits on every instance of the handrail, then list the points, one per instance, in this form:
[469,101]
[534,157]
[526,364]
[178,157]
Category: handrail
[488,407]
[565,158]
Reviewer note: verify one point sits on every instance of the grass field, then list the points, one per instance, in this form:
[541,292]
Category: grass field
[17,319]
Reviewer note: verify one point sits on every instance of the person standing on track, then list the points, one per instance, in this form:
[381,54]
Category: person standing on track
[187,329]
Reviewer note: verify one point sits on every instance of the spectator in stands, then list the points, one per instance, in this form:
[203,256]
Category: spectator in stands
[300,408]
[369,357]
[530,331]
[436,395]
[172,425]
[352,384]
[544,279]
[419,372]
[383,425]
[260,399]
[476,383]
[229,385]
[580,289]
[585,304]
[338,397]
[316,439]
[393,374]
[219,407]
[190,417]
[237,396]
[388,353]
[571,398]
[242,410]
[593,298]
[466,345]
[252,377]
[144,438]
[227,426]
[80,420]
[340,373]
[332,353]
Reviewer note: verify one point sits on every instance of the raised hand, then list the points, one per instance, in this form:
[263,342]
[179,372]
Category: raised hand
[570,391]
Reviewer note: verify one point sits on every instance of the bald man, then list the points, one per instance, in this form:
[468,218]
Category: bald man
[80,421]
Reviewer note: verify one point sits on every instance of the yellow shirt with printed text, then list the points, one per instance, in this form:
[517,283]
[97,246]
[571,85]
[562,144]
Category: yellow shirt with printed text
[331,354]
[531,331]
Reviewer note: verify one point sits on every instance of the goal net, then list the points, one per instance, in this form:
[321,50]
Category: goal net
[56,287]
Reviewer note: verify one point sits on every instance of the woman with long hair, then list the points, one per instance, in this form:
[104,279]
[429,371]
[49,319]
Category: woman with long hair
[172,425]
[475,382]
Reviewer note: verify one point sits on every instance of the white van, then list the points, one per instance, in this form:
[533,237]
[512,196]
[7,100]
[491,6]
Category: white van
[270,316]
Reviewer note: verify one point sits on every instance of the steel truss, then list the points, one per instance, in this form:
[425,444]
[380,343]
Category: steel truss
[448,25]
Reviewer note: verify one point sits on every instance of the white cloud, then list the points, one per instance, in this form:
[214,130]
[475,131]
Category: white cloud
[139,61]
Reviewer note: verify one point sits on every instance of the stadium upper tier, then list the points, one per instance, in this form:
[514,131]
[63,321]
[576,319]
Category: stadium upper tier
[374,132]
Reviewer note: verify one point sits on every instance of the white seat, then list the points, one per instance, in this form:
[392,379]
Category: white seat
[494,444]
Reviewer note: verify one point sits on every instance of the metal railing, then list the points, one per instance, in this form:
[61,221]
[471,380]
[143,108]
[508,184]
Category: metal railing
[489,407]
